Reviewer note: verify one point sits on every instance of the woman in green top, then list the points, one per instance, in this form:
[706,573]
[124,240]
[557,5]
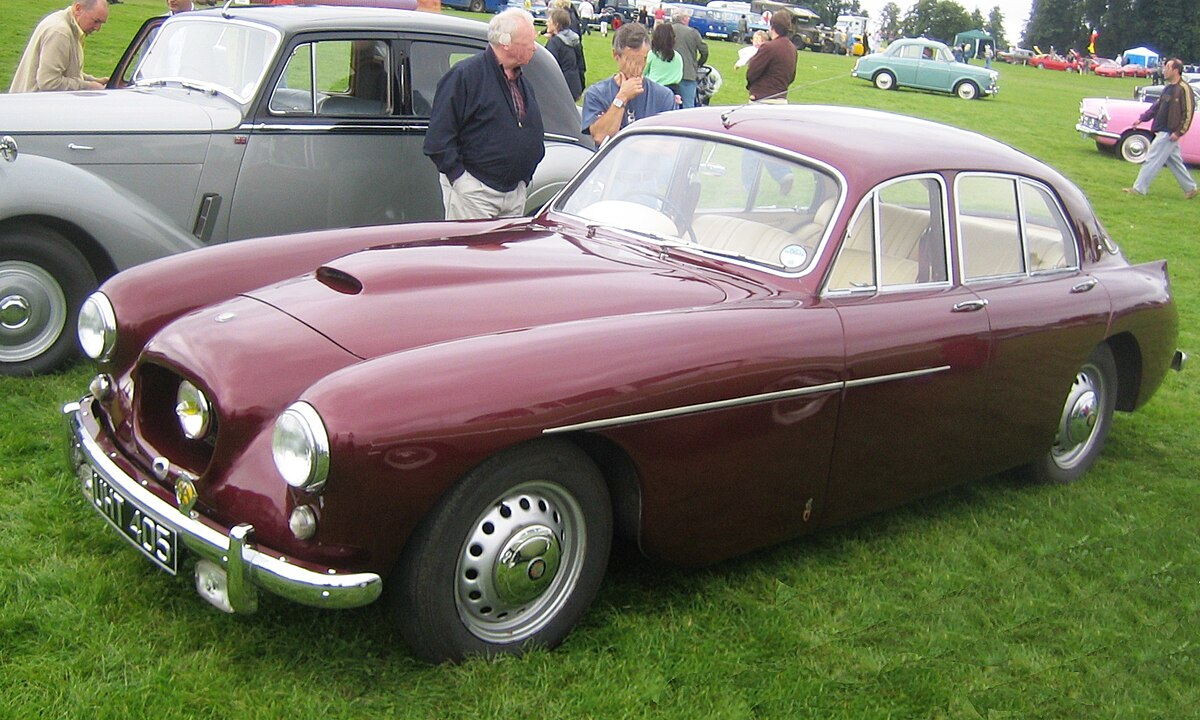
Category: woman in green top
[663,65]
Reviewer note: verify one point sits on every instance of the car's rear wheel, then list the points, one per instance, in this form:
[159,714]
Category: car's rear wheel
[476,6]
[966,90]
[1135,146]
[884,80]
[43,282]
[1085,421]
[509,558]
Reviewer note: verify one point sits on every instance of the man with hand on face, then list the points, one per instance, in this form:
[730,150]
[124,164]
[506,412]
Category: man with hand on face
[616,101]
[485,130]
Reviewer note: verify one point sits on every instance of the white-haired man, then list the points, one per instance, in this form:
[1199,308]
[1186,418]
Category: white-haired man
[485,130]
[53,59]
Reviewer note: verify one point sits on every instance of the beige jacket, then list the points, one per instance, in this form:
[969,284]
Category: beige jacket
[53,59]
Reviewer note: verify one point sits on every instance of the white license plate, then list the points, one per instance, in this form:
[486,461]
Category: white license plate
[156,541]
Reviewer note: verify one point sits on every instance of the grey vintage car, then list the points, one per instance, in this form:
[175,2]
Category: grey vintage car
[236,123]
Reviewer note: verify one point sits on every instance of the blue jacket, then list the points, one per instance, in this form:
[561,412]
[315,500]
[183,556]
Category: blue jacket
[473,126]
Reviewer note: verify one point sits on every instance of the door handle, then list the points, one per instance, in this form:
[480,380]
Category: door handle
[970,305]
[73,146]
[1085,285]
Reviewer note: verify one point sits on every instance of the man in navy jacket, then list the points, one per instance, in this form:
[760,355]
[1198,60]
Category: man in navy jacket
[485,130]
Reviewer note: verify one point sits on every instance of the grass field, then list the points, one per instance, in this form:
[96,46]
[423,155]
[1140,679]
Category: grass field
[995,600]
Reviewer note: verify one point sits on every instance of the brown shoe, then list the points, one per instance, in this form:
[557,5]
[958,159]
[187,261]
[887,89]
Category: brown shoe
[1191,194]
[1131,191]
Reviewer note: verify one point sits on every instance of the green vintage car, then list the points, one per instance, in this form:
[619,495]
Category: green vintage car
[928,65]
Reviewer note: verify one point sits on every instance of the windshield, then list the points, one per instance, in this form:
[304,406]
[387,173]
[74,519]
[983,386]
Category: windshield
[713,196]
[215,54]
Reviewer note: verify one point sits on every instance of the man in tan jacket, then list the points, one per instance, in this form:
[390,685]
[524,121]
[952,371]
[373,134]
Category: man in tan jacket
[53,59]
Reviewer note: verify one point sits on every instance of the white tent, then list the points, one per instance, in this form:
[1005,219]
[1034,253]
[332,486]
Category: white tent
[1141,56]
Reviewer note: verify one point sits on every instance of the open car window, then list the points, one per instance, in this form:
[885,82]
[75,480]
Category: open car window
[725,199]
[336,78]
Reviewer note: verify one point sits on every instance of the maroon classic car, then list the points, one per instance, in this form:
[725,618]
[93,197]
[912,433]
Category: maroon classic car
[734,327]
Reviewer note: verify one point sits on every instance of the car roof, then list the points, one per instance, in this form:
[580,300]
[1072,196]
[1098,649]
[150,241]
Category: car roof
[867,145]
[292,19]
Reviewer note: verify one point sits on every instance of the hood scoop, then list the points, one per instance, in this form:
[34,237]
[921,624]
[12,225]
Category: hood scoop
[339,280]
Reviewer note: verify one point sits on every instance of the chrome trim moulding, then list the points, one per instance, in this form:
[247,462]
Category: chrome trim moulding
[737,402]
[268,572]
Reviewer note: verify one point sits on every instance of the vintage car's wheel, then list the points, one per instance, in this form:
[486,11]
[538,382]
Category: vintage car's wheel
[509,558]
[966,90]
[476,6]
[1086,418]
[884,80]
[1134,147]
[43,282]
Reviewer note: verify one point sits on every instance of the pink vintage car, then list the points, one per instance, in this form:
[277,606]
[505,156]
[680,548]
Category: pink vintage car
[735,326]
[1113,123]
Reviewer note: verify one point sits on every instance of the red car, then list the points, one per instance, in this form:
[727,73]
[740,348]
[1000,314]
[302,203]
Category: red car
[1053,62]
[733,327]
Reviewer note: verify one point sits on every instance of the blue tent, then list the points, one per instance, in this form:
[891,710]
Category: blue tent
[1141,56]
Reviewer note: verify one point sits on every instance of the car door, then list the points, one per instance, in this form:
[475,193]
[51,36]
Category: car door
[1019,254]
[935,72]
[122,74]
[916,348]
[338,141]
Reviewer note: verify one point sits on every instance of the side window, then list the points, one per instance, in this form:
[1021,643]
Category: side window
[1049,243]
[429,62]
[989,231]
[897,239]
[911,52]
[336,77]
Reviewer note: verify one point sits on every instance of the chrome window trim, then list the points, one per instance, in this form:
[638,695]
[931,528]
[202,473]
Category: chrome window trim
[1017,180]
[872,197]
[724,139]
[838,386]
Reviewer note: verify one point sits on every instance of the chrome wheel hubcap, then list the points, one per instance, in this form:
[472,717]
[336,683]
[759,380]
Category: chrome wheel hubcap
[33,311]
[1081,413]
[520,562]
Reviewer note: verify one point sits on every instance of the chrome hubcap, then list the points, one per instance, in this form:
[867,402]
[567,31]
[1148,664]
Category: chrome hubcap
[33,311]
[520,562]
[1077,427]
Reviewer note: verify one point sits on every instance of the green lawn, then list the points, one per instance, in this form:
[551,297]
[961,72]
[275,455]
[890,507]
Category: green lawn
[995,600]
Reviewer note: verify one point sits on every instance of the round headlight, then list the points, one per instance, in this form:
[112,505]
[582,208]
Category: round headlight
[193,410]
[300,447]
[97,327]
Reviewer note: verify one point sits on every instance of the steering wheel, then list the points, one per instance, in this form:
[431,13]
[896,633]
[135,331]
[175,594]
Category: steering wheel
[666,207]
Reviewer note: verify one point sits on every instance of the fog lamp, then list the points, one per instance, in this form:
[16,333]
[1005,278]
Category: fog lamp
[303,522]
[193,410]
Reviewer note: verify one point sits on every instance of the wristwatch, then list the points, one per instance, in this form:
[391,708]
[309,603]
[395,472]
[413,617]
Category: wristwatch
[618,103]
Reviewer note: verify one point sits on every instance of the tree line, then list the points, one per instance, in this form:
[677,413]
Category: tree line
[1171,27]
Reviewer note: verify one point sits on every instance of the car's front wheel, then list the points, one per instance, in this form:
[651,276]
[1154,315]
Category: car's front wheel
[884,80]
[1135,146]
[43,282]
[509,558]
[1085,421]
[966,90]
[476,6]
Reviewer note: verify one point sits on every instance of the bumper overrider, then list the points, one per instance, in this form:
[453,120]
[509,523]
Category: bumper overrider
[230,569]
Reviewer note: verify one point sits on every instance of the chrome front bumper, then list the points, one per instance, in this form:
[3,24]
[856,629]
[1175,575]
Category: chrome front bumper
[247,568]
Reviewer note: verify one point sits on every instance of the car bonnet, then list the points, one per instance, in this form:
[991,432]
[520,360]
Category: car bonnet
[386,300]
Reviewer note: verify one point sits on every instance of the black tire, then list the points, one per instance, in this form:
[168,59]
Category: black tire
[1134,147]
[1085,421]
[476,6]
[459,590]
[43,281]
[884,80]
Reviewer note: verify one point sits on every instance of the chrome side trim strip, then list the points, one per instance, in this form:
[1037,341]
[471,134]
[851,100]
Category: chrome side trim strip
[737,402]
[699,407]
[897,376]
